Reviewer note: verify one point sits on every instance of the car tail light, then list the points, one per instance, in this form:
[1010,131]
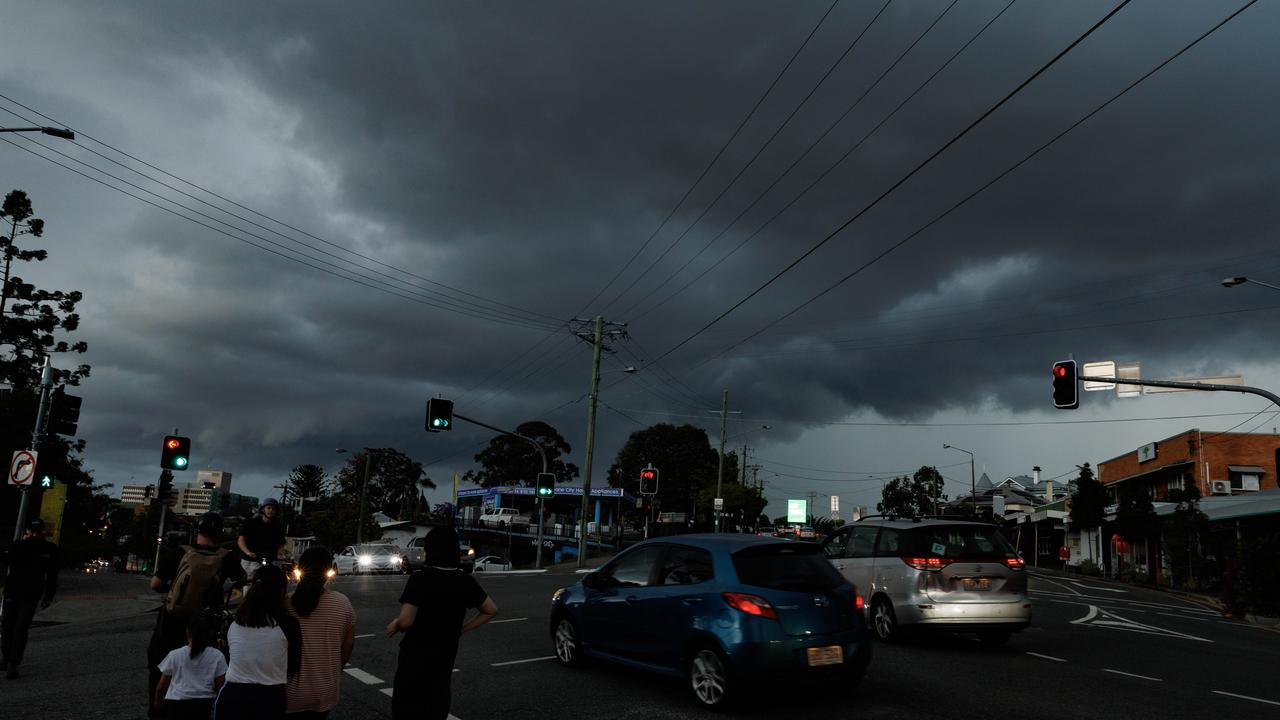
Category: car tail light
[927,563]
[751,605]
[1016,563]
[858,602]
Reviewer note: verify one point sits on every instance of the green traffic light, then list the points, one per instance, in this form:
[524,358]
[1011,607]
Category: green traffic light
[180,462]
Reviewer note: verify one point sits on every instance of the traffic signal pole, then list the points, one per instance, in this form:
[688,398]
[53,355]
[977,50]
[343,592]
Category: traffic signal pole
[46,386]
[542,452]
[1210,387]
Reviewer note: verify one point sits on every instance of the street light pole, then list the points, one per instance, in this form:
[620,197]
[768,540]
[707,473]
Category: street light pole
[973,487]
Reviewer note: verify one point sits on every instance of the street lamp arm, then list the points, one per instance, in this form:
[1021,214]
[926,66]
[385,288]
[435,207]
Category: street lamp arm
[63,133]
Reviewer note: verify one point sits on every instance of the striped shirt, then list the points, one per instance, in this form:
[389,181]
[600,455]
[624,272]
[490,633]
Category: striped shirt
[315,687]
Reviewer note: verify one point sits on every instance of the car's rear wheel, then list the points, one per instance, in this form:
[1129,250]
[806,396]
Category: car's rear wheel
[884,621]
[709,678]
[568,643]
[994,638]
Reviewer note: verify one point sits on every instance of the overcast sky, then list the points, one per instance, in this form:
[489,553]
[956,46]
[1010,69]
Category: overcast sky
[481,173]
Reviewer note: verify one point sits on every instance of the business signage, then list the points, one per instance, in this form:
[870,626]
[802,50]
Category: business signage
[796,510]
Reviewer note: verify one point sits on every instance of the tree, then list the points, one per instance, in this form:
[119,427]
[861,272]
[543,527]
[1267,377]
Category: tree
[309,481]
[920,494]
[395,485]
[1186,528]
[508,460]
[1089,501]
[687,469]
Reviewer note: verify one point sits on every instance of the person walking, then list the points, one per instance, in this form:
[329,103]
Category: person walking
[262,537]
[32,580]
[191,676]
[192,578]
[328,624]
[266,648]
[433,606]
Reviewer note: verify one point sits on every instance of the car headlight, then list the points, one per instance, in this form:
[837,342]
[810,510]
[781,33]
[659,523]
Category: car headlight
[471,552]
[297,574]
[555,596]
[397,559]
[366,559]
[331,573]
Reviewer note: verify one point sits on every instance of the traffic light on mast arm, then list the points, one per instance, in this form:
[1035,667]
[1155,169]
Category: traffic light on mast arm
[1066,388]
[175,453]
[439,414]
[649,481]
[546,485]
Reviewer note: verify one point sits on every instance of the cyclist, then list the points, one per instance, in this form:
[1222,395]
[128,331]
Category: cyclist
[262,537]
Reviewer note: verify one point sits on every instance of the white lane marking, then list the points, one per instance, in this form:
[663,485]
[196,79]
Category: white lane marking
[1246,697]
[495,622]
[1093,613]
[1112,621]
[1132,675]
[529,660]
[1129,603]
[1046,657]
[363,676]
[1051,582]
[388,691]
[1095,587]
[365,636]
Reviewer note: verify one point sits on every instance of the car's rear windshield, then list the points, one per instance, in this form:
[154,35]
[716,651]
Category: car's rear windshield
[786,566]
[956,541]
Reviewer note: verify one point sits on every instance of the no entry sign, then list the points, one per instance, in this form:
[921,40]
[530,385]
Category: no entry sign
[23,467]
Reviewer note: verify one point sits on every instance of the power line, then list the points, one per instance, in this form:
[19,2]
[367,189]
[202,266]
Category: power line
[790,266]
[988,184]
[714,159]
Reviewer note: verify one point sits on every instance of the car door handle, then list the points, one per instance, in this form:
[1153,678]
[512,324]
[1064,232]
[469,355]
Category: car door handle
[691,600]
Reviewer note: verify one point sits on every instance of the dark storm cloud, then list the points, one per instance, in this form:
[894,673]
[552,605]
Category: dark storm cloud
[524,151]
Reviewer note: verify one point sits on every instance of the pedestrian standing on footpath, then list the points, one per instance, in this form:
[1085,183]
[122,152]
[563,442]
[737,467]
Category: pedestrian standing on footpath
[328,624]
[192,578]
[191,676]
[433,606]
[266,648]
[262,537]
[32,580]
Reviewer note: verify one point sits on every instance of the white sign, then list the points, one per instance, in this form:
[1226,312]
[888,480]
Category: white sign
[1224,380]
[1106,368]
[1129,371]
[796,510]
[835,504]
[997,506]
[23,467]
[1146,452]
[719,503]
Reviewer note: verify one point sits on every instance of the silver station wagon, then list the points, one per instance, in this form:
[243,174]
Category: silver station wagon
[918,573]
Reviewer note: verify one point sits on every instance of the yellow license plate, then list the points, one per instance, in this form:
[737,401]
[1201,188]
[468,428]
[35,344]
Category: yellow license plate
[829,655]
[976,583]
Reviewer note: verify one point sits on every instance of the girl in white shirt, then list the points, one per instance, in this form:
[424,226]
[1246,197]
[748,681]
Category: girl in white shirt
[266,647]
[190,676]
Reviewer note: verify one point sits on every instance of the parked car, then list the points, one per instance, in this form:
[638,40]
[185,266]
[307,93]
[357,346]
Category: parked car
[370,558]
[944,574]
[415,555]
[722,611]
[491,563]
[502,517]
[804,532]
[766,531]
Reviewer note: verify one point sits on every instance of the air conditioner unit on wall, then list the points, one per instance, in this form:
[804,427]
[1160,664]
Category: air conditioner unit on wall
[1219,487]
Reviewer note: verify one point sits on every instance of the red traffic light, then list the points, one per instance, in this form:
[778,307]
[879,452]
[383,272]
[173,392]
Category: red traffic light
[647,474]
[172,443]
[1060,370]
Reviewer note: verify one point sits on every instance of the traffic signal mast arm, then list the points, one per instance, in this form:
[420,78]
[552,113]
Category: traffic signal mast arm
[1187,386]
[541,452]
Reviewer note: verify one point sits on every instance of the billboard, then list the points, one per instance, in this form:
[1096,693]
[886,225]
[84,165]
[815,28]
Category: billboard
[796,510]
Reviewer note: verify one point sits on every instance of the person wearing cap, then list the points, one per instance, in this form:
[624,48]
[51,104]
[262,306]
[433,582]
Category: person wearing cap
[32,580]
[262,537]
[170,632]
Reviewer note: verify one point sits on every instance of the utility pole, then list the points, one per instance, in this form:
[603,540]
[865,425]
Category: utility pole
[368,461]
[46,386]
[598,343]
[724,411]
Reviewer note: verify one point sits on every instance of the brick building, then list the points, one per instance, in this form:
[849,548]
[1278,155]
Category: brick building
[1218,463]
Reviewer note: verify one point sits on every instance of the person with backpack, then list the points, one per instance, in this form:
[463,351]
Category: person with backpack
[32,580]
[328,636]
[266,650]
[192,579]
[191,676]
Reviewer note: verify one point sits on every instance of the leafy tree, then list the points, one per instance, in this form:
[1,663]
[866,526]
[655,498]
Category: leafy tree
[919,494]
[1089,501]
[509,460]
[687,469]
[1186,528]
[396,481]
[309,481]
[333,521]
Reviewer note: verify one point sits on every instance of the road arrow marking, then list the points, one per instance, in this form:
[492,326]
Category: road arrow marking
[1112,621]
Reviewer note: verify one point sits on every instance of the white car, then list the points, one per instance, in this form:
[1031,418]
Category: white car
[502,517]
[356,559]
[491,563]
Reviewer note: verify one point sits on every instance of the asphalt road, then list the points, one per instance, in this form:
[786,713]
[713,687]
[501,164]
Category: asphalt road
[1095,650]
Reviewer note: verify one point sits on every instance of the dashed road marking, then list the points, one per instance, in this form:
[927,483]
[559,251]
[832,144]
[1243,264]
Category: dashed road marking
[506,620]
[1132,675]
[520,662]
[366,635]
[1112,621]
[363,676]
[1046,657]
[1245,697]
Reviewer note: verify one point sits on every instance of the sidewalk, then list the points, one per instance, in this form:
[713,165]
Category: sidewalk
[107,595]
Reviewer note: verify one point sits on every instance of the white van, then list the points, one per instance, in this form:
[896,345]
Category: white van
[502,517]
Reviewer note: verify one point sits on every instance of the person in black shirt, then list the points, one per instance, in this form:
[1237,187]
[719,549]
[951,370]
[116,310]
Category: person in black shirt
[262,537]
[171,632]
[33,578]
[433,606]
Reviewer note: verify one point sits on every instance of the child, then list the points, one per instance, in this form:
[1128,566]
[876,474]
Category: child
[191,676]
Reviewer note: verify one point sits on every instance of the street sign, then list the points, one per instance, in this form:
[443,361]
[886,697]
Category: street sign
[23,467]
[719,503]
[835,504]
[1106,368]
[796,510]
[1129,371]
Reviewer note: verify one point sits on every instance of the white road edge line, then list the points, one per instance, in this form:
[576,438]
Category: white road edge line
[1046,657]
[1246,697]
[518,662]
[1132,675]
[495,622]
[363,676]
[365,636]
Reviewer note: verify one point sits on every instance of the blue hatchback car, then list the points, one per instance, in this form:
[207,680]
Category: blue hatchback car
[717,610]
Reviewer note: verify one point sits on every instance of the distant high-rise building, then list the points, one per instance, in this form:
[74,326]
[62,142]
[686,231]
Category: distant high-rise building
[134,495]
[214,480]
